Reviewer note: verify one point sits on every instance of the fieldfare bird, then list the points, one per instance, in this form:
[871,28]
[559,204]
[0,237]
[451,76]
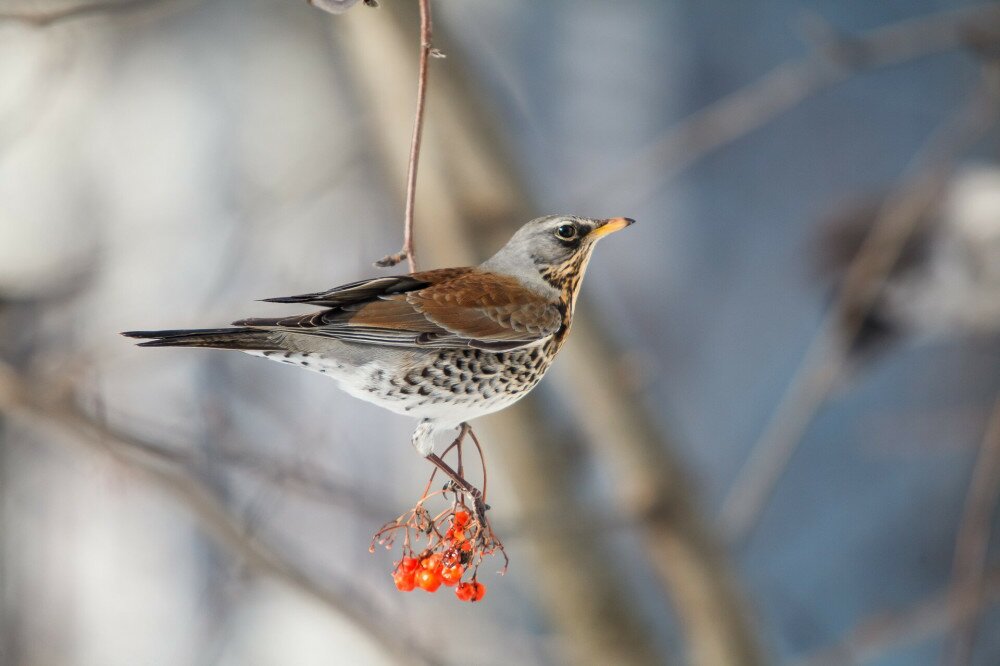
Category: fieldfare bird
[445,345]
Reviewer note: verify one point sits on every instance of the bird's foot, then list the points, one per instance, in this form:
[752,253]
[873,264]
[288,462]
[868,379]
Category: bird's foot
[475,498]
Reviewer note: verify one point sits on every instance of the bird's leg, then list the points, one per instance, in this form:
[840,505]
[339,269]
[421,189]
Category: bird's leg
[479,505]
[458,447]
[457,477]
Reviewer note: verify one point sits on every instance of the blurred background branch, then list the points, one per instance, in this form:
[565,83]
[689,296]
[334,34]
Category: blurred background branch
[887,632]
[898,219]
[969,587]
[168,172]
[20,399]
[43,18]
[834,58]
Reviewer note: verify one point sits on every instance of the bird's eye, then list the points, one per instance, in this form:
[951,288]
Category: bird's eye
[566,231]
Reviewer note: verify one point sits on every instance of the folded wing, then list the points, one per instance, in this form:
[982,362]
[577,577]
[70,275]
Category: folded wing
[446,308]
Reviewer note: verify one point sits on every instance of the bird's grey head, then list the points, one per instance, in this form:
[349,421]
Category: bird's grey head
[556,248]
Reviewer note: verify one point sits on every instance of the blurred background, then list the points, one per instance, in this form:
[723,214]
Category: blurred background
[773,437]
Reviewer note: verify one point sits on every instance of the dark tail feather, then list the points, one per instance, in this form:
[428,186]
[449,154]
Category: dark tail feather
[216,338]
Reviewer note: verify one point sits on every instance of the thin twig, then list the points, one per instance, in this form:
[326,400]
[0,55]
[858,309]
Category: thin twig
[924,180]
[409,252]
[19,399]
[881,633]
[972,545]
[831,62]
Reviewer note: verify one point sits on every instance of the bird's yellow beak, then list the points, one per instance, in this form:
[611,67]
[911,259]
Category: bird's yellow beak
[610,226]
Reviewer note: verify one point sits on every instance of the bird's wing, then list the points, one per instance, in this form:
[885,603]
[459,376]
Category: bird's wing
[372,288]
[455,307]
[487,306]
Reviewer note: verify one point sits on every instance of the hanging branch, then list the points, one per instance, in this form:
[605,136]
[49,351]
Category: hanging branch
[426,50]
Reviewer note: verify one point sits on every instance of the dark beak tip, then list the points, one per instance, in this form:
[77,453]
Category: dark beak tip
[629,220]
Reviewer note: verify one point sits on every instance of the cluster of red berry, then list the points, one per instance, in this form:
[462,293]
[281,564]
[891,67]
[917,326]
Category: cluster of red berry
[445,567]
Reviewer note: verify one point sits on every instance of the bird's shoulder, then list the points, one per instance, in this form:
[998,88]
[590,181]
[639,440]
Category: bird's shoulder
[473,303]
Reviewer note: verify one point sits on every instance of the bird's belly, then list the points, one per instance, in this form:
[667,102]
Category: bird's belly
[449,386]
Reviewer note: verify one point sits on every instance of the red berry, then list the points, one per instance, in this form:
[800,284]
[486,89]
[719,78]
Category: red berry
[467,546]
[431,562]
[461,518]
[451,575]
[405,582]
[465,592]
[409,564]
[428,580]
[473,591]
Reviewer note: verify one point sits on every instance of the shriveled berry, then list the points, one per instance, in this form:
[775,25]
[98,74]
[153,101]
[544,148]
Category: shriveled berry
[451,575]
[405,581]
[452,557]
[427,579]
[431,562]
[465,591]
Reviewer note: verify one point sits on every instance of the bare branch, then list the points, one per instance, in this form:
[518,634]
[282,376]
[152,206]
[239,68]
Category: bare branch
[753,106]
[881,633]
[154,465]
[926,177]
[408,252]
[972,544]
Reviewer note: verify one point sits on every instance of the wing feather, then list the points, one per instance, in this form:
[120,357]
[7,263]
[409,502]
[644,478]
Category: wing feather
[445,308]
